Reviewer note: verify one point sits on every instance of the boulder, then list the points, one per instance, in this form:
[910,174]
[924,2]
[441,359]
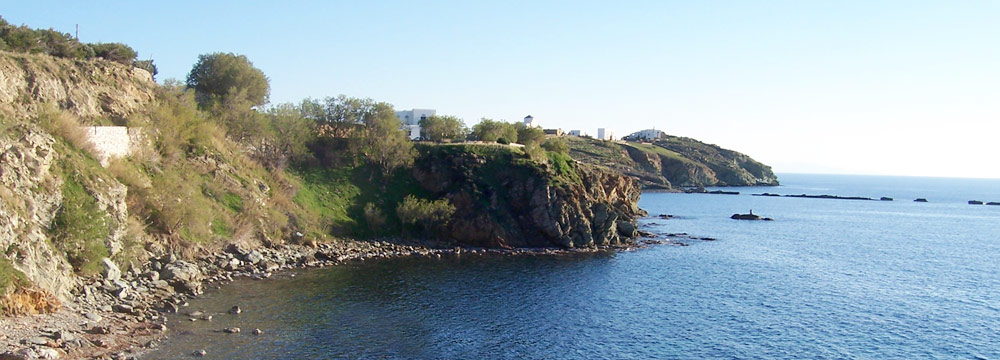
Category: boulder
[111,272]
[183,276]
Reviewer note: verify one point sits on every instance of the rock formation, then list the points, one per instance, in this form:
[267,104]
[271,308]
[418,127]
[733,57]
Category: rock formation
[502,202]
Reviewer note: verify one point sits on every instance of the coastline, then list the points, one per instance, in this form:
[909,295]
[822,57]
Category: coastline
[124,322]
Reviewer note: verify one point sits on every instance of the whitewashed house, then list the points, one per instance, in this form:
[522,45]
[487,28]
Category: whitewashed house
[605,134]
[574,133]
[410,120]
[529,121]
[645,135]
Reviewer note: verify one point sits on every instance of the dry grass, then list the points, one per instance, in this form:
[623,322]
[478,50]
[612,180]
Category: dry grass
[67,126]
[29,301]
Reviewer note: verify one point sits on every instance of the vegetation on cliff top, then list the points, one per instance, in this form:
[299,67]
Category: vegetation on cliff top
[23,39]
[673,162]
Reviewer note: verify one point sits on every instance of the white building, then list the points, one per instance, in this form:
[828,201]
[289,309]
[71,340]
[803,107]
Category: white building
[529,121]
[410,120]
[645,135]
[574,133]
[604,134]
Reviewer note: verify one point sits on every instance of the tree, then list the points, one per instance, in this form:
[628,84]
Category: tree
[380,141]
[437,128]
[529,136]
[338,116]
[557,145]
[490,130]
[218,76]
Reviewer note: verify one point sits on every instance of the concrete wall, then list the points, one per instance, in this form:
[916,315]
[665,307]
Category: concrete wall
[111,141]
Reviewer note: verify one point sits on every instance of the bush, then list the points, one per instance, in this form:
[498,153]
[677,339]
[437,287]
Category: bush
[425,213]
[374,218]
[503,141]
[556,144]
[147,65]
[117,52]
[80,228]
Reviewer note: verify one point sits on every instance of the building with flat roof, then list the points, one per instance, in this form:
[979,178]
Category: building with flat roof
[605,134]
[645,135]
[410,120]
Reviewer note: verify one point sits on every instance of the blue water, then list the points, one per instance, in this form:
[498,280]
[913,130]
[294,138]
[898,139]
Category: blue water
[826,279]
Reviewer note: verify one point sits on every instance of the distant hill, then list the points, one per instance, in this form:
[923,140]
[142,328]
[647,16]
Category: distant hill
[673,162]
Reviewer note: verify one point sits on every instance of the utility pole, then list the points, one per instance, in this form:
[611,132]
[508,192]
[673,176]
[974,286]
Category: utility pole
[77,32]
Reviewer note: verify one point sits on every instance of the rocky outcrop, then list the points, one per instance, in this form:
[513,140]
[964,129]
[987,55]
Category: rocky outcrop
[505,202]
[29,198]
[86,88]
[730,168]
[673,162]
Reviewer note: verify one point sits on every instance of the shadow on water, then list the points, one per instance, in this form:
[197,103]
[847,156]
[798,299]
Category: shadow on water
[470,305]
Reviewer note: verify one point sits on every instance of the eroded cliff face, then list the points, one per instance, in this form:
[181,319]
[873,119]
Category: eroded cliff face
[30,187]
[503,202]
[89,89]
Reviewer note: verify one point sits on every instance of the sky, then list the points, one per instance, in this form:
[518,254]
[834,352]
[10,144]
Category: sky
[849,87]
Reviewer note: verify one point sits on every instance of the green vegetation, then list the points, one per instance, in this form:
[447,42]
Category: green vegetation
[80,228]
[439,128]
[23,39]
[223,77]
[10,279]
[556,144]
[425,213]
[489,130]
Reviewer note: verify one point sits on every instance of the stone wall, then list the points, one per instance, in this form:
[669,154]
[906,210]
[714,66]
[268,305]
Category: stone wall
[111,141]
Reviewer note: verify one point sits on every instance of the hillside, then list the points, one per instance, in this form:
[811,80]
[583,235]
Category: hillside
[210,173]
[673,162]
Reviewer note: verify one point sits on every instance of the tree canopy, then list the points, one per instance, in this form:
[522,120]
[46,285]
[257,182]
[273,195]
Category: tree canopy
[218,76]
[446,127]
[491,130]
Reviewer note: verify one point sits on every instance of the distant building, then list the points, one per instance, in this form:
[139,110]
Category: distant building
[604,134]
[553,132]
[410,120]
[645,135]
[529,121]
[574,133]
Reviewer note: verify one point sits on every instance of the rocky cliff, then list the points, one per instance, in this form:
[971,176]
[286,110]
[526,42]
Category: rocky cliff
[505,201]
[90,89]
[674,162]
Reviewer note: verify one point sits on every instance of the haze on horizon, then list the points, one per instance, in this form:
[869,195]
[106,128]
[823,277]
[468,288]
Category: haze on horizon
[858,87]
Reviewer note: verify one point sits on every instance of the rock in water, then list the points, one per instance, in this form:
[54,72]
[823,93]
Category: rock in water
[200,353]
[235,310]
[232,330]
[257,332]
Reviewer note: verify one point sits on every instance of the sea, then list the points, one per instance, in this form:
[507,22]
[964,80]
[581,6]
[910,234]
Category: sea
[827,279]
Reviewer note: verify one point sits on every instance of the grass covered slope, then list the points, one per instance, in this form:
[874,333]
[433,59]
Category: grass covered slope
[673,162]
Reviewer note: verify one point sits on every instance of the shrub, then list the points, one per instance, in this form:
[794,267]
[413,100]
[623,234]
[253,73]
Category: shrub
[556,144]
[425,213]
[80,228]
[117,52]
[374,218]
[66,126]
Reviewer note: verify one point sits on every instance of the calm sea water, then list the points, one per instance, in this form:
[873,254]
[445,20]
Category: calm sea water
[826,279]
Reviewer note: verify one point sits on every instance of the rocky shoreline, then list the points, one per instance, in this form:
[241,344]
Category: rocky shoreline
[121,315]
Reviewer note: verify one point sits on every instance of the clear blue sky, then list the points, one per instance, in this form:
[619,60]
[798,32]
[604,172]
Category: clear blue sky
[861,87]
